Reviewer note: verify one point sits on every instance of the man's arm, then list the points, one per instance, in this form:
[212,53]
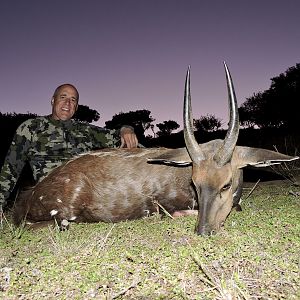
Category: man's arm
[14,162]
[106,138]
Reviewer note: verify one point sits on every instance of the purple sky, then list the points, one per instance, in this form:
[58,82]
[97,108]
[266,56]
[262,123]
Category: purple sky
[133,54]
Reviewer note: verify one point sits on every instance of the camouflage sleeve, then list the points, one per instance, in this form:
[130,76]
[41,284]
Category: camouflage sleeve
[110,138]
[14,162]
[105,138]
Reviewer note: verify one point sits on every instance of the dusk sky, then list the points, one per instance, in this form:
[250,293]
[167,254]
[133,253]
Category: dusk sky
[127,55]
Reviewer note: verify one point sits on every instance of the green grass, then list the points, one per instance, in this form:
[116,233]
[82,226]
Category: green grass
[255,256]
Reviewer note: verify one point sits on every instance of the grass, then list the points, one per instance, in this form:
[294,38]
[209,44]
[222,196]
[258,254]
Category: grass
[255,256]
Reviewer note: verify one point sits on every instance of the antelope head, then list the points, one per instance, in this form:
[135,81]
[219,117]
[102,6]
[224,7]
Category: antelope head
[217,165]
[213,175]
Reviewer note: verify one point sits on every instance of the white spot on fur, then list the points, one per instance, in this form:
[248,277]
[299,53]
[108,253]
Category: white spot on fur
[67,180]
[75,195]
[41,197]
[58,200]
[73,218]
[53,212]
[78,189]
[173,194]
[64,223]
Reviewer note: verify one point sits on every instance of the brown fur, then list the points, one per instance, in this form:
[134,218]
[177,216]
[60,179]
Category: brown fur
[107,185]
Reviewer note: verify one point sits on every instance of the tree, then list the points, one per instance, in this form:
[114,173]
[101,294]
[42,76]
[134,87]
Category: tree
[252,112]
[86,114]
[9,122]
[140,119]
[207,123]
[276,107]
[166,127]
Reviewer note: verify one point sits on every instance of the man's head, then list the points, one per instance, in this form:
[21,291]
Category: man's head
[64,102]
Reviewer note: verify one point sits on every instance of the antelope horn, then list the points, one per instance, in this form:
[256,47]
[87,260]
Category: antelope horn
[191,144]
[225,152]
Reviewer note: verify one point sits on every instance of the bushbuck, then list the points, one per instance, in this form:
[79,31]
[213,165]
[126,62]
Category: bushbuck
[112,185]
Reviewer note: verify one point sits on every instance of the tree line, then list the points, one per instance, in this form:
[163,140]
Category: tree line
[275,108]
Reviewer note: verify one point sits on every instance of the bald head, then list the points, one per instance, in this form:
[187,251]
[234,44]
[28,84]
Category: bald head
[64,102]
[62,86]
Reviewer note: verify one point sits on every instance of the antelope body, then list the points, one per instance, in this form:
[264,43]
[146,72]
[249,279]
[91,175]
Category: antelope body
[112,185]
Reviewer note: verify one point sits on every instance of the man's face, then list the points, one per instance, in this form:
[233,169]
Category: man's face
[64,104]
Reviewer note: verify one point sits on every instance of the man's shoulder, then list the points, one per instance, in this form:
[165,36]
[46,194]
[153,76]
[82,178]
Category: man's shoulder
[32,124]
[34,121]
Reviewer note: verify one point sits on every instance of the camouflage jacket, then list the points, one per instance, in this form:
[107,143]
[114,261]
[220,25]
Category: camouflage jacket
[46,143]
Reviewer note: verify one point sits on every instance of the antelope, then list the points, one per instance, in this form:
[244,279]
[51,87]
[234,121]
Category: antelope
[112,185]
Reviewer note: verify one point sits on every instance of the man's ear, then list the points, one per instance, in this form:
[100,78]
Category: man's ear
[52,101]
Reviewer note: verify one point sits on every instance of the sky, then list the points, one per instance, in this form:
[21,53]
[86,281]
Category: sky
[126,55]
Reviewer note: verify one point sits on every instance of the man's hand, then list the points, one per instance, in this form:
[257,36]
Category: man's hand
[128,137]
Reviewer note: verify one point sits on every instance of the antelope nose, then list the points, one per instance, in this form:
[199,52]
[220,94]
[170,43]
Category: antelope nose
[205,230]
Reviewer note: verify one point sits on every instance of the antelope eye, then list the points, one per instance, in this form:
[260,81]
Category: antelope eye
[226,187]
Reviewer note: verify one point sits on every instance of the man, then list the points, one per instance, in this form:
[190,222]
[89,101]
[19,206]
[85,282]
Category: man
[46,142]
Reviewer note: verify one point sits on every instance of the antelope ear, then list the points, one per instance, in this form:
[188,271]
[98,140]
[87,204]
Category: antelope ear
[257,157]
[173,157]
